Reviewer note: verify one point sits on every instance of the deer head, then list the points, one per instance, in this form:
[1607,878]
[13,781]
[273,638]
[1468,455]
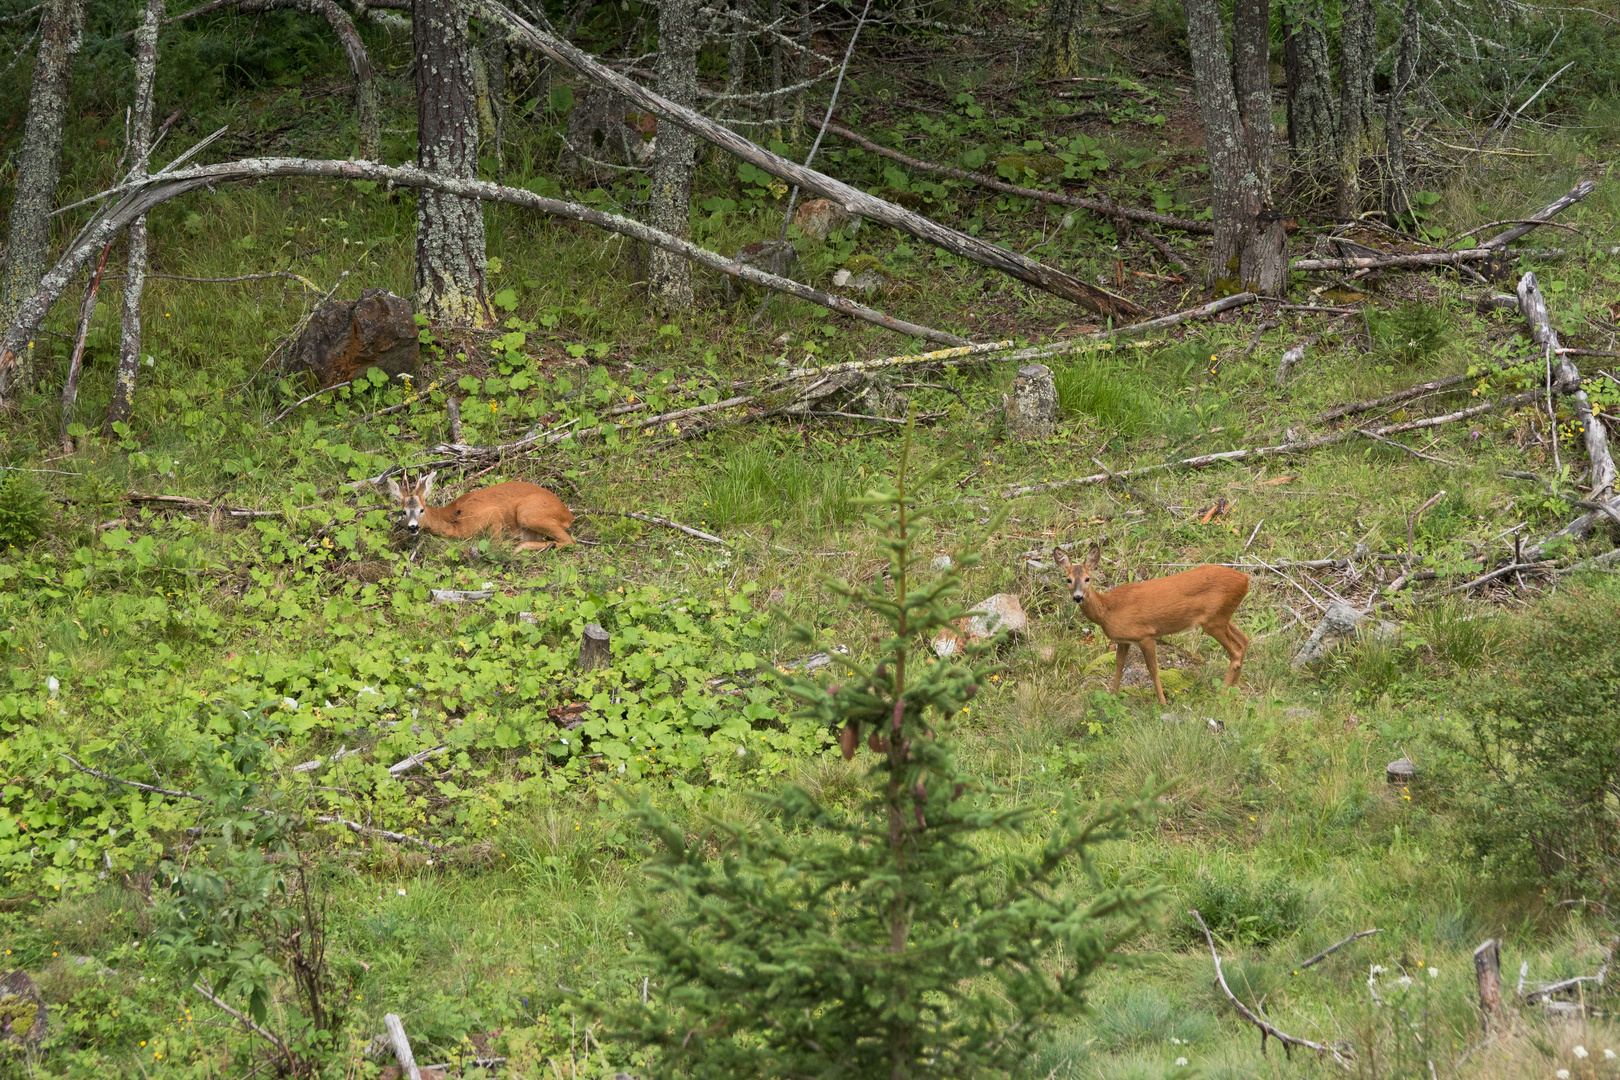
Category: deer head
[1080,574]
[413,499]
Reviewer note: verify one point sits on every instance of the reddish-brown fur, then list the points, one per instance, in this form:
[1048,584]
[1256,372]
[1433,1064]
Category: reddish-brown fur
[1142,611]
[525,512]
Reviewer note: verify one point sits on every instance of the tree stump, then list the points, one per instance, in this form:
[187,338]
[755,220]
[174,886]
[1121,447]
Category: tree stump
[1033,404]
[1400,772]
[593,648]
[1488,971]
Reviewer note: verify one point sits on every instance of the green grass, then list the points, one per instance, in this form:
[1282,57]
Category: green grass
[1281,829]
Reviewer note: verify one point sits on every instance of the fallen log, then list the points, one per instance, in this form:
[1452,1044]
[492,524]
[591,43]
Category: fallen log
[1534,308]
[1540,217]
[1060,198]
[141,194]
[852,199]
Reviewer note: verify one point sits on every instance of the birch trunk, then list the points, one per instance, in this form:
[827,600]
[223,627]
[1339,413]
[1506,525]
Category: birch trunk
[1234,96]
[1311,134]
[140,148]
[1061,47]
[40,159]
[1358,51]
[669,277]
[449,230]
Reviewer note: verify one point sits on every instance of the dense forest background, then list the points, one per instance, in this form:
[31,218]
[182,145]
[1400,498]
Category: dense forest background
[1321,290]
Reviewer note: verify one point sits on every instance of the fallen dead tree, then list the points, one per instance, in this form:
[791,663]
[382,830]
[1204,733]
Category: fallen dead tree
[135,198]
[852,199]
[1059,198]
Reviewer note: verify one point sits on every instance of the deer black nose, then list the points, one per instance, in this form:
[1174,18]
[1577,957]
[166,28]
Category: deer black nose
[1076,599]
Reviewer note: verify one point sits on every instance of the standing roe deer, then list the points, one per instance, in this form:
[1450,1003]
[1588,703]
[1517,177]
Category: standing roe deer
[1141,611]
[523,511]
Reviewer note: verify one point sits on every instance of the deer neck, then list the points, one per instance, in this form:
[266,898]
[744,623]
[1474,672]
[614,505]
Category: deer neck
[1094,606]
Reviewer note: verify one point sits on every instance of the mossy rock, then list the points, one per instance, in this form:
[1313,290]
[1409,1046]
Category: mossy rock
[1045,166]
[22,1010]
[856,264]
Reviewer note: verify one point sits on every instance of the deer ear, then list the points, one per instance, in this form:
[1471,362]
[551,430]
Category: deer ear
[1060,558]
[1093,557]
[393,490]
[424,486]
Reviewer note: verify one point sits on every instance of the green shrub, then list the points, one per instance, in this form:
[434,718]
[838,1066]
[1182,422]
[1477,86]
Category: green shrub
[23,509]
[1536,745]
[1240,907]
[1410,333]
[1090,388]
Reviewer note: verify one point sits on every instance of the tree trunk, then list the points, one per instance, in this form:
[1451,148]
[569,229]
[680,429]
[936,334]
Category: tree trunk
[1358,51]
[669,277]
[449,231]
[1397,193]
[1061,58]
[1311,135]
[140,148]
[39,160]
[494,57]
[1234,96]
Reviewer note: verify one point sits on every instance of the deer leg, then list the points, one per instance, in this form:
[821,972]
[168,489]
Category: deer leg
[535,545]
[1236,646]
[535,524]
[1122,653]
[1151,654]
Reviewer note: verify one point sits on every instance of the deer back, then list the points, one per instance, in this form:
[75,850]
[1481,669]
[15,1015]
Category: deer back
[1167,605]
[496,508]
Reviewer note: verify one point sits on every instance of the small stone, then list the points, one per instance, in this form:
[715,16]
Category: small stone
[840,279]
[1173,717]
[1299,714]
[984,621]
[867,281]
[817,218]
[1338,623]
[941,562]
[1400,772]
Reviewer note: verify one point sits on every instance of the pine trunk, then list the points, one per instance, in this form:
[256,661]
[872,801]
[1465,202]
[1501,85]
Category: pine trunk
[1061,47]
[1234,97]
[669,277]
[1311,135]
[449,231]
[39,160]
[1358,51]
[140,148]
[1397,192]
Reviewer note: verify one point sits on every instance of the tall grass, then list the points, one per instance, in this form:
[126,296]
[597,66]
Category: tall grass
[764,482]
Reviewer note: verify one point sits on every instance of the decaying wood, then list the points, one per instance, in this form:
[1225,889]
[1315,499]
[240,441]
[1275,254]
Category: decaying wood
[1060,198]
[181,502]
[70,391]
[594,648]
[320,819]
[1267,1029]
[1331,949]
[1206,460]
[400,768]
[1541,217]
[402,1047]
[1534,308]
[696,534]
[316,394]
[1488,974]
[140,194]
[851,198]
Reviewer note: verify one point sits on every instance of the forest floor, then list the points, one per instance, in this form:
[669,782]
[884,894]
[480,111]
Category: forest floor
[136,635]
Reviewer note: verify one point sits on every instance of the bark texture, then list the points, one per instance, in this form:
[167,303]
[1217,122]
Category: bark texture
[449,231]
[1358,52]
[140,149]
[40,159]
[669,277]
[1060,58]
[1234,96]
[1397,194]
[1311,125]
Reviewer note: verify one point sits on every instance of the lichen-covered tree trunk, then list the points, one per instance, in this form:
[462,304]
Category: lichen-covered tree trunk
[1234,97]
[40,158]
[1313,157]
[1397,194]
[140,147]
[1061,42]
[669,277]
[1358,52]
[449,231]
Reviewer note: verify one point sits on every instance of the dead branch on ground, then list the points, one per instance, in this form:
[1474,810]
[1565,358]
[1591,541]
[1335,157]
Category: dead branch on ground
[1267,1029]
[1331,949]
[1534,308]
[585,511]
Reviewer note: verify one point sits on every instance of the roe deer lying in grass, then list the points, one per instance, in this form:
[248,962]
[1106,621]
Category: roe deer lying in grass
[1141,611]
[525,512]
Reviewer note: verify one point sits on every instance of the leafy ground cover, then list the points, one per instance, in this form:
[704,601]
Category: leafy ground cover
[486,894]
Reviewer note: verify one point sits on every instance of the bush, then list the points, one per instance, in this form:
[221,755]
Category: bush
[1410,333]
[1536,747]
[1241,908]
[23,509]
